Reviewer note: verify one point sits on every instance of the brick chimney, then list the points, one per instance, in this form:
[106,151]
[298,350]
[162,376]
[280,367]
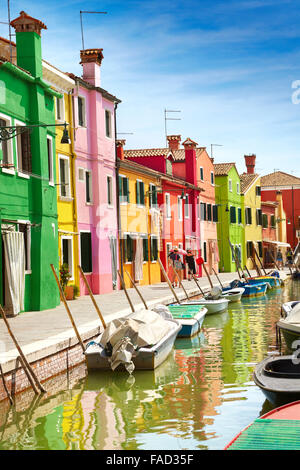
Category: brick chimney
[174,141]
[250,163]
[28,43]
[91,61]
[120,148]
[190,160]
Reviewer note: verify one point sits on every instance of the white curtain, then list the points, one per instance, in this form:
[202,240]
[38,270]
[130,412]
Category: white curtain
[14,249]
[138,261]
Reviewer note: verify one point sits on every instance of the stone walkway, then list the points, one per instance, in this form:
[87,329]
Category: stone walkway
[46,332]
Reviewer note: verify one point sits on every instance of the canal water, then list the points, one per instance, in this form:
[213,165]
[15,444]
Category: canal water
[200,398]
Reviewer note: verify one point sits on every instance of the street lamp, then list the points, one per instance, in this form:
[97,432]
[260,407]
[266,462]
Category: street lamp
[9,132]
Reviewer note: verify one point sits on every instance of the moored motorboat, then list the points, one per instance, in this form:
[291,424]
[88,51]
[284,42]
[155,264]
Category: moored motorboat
[273,281]
[189,316]
[141,341]
[278,429]
[279,378]
[289,324]
[251,290]
[233,295]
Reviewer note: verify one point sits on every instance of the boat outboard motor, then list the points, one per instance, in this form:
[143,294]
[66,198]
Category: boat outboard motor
[215,293]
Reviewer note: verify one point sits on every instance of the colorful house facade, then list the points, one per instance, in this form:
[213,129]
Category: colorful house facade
[206,215]
[139,221]
[95,175]
[289,187]
[230,224]
[28,215]
[252,219]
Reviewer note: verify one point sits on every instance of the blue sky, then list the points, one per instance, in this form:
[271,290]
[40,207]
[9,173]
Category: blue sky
[228,66]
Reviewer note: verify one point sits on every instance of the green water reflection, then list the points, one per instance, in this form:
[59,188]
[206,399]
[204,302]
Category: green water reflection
[198,399]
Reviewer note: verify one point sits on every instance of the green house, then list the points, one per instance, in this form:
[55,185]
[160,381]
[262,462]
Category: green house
[28,208]
[230,226]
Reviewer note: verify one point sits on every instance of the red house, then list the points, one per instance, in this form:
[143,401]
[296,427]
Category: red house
[289,186]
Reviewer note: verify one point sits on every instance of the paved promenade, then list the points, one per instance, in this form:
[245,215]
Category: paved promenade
[46,332]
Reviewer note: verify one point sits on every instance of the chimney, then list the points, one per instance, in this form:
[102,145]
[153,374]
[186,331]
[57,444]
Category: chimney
[120,150]
[250,163]
[174,141]
[190,160]
[28,43]
[91,61]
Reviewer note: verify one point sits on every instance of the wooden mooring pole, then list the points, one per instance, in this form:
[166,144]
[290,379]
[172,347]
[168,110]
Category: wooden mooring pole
[137,290]
[92,296]
[67,307]
[168,280]
[125,290]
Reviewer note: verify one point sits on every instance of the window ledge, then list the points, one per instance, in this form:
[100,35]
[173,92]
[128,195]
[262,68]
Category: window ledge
[8,171]
[88,203]
[65,198]
[23,175]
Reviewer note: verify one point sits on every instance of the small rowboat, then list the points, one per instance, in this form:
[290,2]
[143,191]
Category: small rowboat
[212,306]
[273,281]
[289,325]
[189,316]
[278,429]
[145,358]
[233,295]
[279,378]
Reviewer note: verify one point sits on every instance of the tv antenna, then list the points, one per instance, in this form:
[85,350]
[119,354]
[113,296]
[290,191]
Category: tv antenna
[170,119]
[81,22]
[9,29]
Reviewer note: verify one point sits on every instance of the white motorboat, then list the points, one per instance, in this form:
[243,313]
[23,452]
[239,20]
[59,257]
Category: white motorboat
[212,306]
[233,295]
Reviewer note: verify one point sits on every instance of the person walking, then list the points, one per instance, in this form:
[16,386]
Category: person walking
[289,257]
[174,263]
[190,261]
[279,258]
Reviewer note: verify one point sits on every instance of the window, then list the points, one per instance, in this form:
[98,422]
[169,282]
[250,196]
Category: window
[154,248]
[248,216]
[249,247]
[204,252]
[179,207]
[169,167]
[273,222]
[230,185]
[81,174]
[215,213]
[201,173]
[67,253]
[168,248]
[258,217]
[26,230]
[128,249]
[107,123]
[24,152]
[6,153]
[123,189]
[186,207]
[140,193]
[168,206]
[238,188]
[88,187]
[198,208]
[50,159]
[209,213]
[260,249]
[258,190]
[81,111]
[232,214]
[203,210]
[265,220]
[109,183]
[86,252]
[152,195]
[212,178]
[145,248]
[60,109]
[239,215]
[64,176]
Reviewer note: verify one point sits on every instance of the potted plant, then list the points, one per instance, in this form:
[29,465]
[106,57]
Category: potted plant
[65,276]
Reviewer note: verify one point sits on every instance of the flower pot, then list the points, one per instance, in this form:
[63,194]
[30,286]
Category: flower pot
[69,293]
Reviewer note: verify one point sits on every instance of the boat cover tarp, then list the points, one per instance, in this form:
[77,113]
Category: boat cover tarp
[294,315]
[124,336]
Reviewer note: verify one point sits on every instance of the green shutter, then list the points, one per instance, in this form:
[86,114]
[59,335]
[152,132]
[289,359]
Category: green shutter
[137,191]
[145,249]
[142,193]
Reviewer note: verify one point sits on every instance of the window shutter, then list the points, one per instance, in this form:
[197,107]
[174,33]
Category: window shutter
[137,189]
[86,252]
[26,152]
[142,193]
[232,214]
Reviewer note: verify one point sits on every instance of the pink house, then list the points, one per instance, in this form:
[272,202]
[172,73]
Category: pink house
[94,146]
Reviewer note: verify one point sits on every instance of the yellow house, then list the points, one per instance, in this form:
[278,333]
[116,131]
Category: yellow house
[251,219]
[65,172]
[139,223]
